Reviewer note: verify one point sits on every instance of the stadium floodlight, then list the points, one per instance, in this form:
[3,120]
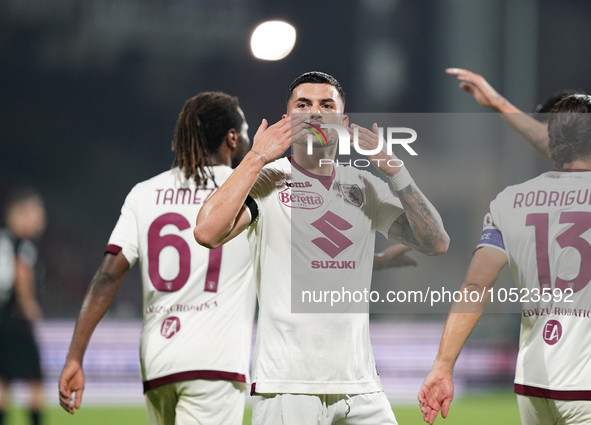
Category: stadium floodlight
[272,40]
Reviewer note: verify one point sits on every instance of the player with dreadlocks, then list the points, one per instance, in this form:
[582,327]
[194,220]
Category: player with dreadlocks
[198,303]
[203,123]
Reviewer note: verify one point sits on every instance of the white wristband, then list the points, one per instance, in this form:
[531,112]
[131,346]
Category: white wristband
[401,179]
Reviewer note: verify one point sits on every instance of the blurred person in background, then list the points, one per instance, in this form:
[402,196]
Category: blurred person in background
[541,229]
[533,131]
[19,310]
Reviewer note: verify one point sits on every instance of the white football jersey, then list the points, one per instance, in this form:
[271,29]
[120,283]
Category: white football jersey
[198,303]
[544,226]
[315,232]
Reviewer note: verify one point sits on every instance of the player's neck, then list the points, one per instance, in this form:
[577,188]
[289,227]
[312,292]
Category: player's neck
[579,164]
[220,159]
[312,162]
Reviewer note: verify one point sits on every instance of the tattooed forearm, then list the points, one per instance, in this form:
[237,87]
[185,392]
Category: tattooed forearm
[420,227]
[497,98]
[401,231]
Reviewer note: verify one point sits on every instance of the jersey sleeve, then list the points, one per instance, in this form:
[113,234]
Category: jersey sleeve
[124,237]
[491,233]
[265,182]
[387,207]
[262,188]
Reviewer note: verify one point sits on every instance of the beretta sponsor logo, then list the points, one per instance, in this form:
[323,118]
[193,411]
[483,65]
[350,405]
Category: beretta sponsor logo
[300,199]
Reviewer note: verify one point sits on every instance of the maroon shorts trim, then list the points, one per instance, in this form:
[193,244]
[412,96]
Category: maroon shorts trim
[113,249]
[193,374]
[553,394]
[253,388]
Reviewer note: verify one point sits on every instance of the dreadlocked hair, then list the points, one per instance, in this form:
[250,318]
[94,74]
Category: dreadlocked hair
[200,130]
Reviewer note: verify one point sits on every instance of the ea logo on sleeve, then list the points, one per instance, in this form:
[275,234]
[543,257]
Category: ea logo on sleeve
[552,332]
[170,327]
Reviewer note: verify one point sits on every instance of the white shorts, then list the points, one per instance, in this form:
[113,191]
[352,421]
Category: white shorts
[197,402]
[547,411]
[303,409]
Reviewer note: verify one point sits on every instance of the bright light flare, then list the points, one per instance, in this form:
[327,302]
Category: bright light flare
[272,40]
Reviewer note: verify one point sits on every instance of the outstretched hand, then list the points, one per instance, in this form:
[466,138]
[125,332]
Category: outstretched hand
[71,381]
[476,85]
[436,394]
[270,142]
[393,256]
[369,141]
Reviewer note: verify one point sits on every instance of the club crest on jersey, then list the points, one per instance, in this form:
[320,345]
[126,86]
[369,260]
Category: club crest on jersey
[300,199]
[170,327]
[352,194]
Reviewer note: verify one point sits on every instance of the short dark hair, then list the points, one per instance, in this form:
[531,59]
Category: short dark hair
[569,129]
[202,125]
[315,77]
[543,109]
[19,196]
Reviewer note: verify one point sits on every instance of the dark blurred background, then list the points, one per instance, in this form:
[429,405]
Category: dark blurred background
[90,92]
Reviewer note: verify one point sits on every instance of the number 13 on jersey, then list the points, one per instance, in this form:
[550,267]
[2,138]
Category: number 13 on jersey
[571,237]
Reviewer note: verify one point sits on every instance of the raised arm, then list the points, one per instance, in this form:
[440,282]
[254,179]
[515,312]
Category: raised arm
[224,215]
[531,130]
[99,296]
[420,227]
[436,393]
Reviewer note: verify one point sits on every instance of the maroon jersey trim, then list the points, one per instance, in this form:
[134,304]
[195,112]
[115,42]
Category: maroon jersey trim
[113,249]
[553,394]
[325,180]
[193,374]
